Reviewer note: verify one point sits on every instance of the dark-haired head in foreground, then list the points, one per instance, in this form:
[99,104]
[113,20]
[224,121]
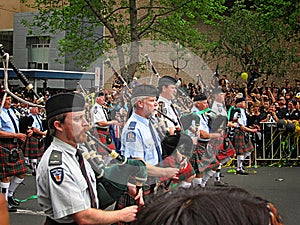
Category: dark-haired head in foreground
[210,206]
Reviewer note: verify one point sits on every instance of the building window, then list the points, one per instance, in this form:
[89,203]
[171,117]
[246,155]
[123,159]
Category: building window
[6,39]
[38,42]
[38,65]
[38,52]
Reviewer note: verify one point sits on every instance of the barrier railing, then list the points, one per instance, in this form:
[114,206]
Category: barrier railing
[277,146]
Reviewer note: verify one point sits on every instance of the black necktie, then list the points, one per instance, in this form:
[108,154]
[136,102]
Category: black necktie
[13,121]
[82,168]
[39,122]
[105,113]
[155,142]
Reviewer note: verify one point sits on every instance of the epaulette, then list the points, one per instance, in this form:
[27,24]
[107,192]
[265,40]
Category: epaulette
[132,125]
[95,110]
[55,158]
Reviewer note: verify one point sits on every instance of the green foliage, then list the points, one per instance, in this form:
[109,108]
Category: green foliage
[263,37]
[125,21]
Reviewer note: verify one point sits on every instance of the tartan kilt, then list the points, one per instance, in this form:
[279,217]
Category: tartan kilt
[8,168]
[224,151]
[202,159]
[241,144]
[102,135]
[183,174]
[33,149]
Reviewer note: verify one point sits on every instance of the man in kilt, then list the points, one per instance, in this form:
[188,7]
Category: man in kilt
[34,146]
[101,122]
[140,140]
[203,158]
[167,93]
[241,139]
[13,168]
[223,147]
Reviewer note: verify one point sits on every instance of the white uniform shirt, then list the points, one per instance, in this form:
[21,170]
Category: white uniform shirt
[169,111]
[243,117]
[98,114]
[61,188]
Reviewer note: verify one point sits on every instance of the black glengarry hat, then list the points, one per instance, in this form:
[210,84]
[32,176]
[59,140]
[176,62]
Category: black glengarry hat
[238,100]
[100,93]
[200,97]
[64,102]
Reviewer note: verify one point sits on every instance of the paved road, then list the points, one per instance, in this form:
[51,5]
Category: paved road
[278,185]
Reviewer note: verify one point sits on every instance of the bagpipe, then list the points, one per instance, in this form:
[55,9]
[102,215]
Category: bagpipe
[25,122]
[112,180]
[29,87]
[120,78]
[177,141]
[182,101]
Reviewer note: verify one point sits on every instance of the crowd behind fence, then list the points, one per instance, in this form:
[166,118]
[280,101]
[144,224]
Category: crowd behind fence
[277,145]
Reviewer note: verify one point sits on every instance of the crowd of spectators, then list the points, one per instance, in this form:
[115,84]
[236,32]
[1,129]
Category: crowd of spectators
[267,101]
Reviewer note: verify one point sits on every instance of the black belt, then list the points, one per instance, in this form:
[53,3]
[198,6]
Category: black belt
[102,129]
[50,221]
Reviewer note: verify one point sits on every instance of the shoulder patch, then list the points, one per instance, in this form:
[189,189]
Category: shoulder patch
[132,125]
[55,158]
[57,175]
[131,137]
[220,108]
[95,110]
[162,107]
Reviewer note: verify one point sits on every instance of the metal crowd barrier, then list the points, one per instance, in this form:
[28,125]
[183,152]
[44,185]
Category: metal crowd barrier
[276,146]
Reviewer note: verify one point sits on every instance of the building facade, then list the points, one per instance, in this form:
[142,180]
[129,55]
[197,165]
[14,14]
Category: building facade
[39,52]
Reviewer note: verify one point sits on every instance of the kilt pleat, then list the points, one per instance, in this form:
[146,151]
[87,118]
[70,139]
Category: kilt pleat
[183,174]
[8,168]
[241,144]
[203,158]
[224,151]
[33,149]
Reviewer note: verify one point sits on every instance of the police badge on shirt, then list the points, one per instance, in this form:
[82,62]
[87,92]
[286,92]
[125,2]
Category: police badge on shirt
[57,175]
[131,135]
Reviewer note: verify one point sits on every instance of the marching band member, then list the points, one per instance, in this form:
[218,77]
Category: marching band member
[13,168]
[223,146]
[66,183]
[140,140]
[241,140]
[167,92]
[203,158]
[101,121]
[34,147]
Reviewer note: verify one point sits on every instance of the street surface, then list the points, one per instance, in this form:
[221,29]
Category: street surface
[280,186]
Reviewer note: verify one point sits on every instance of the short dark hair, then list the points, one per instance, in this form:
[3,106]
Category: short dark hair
[217,206]
[61,118]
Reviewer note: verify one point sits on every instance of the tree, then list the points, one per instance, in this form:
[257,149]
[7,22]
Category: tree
[125,21]
[260,37]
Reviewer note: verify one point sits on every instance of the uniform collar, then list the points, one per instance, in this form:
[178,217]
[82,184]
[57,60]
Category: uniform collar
[66,147]
[164,100]
[141,119]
